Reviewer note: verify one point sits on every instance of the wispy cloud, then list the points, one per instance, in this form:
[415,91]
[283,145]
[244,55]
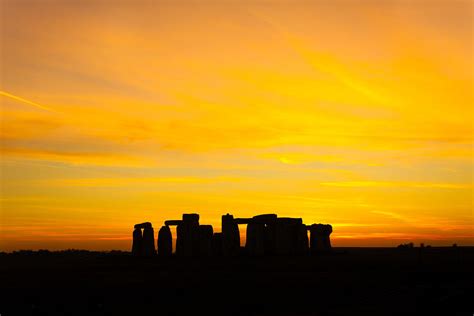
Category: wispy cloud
[121,182]
[75,157]
[20,99]
[393,184]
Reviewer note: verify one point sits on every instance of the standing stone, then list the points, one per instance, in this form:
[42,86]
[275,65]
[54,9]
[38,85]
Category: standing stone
[319,238]
[205,240]
[165,241]
[302,240]
[137,243]
[148,241]
[255,244]
[180,239]
[269,222]
[251,238]
[270,238]
[315,239]
[326,238]
[287,235]
[230,236]
[187,242]
[217,244]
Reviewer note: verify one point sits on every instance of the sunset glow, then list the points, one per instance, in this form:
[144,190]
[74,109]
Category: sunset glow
[358,114]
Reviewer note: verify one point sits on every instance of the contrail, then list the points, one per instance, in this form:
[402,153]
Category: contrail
[311,58]
[14,97]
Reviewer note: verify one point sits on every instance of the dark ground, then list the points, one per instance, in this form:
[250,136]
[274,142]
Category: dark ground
[351,281]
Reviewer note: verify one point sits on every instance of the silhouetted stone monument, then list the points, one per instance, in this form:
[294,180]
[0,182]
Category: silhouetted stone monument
[255,244]
[205,240]
[137,244]
[267,234]
[269,220]
[287,235]
[187,241]
[143,225]
[264,218]
[148,241]
[230,236]
[319,238]
[143,244]
[165,241]
[217,244]
[302,240]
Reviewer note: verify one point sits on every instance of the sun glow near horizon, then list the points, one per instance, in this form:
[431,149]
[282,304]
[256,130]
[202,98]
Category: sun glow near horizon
[358,114]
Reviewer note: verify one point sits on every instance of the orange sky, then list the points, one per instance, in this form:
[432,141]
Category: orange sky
[354,113]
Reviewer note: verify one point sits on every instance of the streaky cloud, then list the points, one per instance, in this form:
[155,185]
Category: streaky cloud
[20,99]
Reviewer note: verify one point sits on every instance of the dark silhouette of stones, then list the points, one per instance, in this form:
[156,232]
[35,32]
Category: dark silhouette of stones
[230,236]
[143,242]
[193,217]
[286,241]
[302,240]
[148,241]
[319,238]
[240,221]
[165,241]
[137,243]
[267,234]
[270,238]
[143,225]
[217,244]
[205,240]
[269,222]
[255,244]
[187,241]
[181,239]
[264,218]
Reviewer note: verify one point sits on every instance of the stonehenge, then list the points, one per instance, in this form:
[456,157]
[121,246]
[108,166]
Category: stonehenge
[230,236]
[205,240]
[137,243]
[217,244]
[143,243]
[255,238]
[165,241]
[319,238]
[266,234]
[187,231]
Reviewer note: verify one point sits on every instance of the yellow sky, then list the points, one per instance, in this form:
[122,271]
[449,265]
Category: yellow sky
[354,113]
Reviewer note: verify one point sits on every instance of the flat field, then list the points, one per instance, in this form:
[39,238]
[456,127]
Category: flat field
[350,281]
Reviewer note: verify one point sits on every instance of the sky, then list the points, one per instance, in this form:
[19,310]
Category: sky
[353,113]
